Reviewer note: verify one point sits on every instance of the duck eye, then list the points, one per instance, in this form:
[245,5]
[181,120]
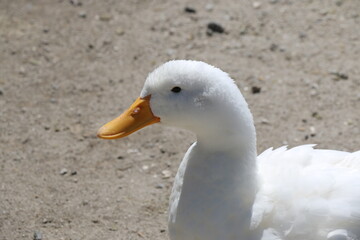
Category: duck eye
[176,89]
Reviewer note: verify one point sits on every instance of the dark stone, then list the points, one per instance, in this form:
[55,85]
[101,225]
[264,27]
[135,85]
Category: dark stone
[189,10]
[255,90]
[215,27]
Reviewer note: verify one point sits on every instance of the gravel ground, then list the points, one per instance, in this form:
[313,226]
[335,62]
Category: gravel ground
[67,67]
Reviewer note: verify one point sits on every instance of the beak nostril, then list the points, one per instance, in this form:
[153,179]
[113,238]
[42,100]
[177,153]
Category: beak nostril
[135,111]
[139,115]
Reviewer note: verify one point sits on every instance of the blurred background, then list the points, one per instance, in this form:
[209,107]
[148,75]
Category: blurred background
[69,66]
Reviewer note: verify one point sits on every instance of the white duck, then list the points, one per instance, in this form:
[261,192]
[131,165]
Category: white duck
[223,190]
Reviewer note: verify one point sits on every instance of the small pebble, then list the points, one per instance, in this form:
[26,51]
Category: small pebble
[82,14]
[255,90]
[256,5]
[244,30]
[159,186]
[75,2]
[119,31]
[63,171]
[113,229]
[301,129]
[37,235]
[25,141]
[313,92]
[215,27]
[166,173]
[105,17]
[265,121]
[162,230]
[312,130]
[339,76]
[133,150]
[348,123]
[106,42]
[46,221]
[316,115]
[209,7]
[189,10]
[273,47]
[125,167]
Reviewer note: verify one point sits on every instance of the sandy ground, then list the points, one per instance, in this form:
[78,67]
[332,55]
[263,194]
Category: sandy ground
[67,67]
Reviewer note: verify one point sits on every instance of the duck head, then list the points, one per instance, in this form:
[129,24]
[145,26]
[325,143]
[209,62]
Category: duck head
[191,95]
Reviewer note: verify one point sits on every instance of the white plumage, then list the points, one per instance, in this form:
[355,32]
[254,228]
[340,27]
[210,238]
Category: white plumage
[224,191]
[308,193]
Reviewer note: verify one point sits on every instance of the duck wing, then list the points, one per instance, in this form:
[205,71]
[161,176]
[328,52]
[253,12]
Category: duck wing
[306,192]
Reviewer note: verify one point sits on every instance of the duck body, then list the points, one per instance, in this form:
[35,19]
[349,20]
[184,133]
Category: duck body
[302,193]
[223,190]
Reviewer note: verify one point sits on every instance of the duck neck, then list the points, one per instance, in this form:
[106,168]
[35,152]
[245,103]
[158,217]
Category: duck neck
[234,151]
[220,170]
[235,144]
[235,136]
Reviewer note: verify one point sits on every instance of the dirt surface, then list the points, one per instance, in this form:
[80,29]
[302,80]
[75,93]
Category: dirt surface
[67,67]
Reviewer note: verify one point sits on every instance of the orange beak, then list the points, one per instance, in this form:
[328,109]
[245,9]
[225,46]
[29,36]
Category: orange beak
[139,115]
